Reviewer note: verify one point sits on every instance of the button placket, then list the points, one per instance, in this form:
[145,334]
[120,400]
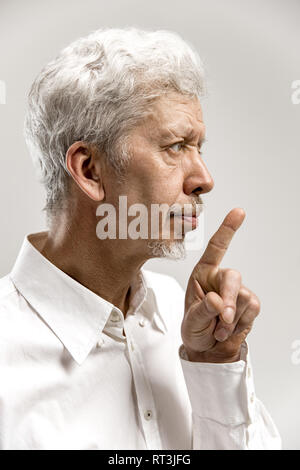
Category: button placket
[145,400]
[148,415]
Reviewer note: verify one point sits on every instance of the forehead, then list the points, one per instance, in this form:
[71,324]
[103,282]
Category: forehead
[174,115]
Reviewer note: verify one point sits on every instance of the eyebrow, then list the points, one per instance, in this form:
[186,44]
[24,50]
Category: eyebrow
[184,131]
[192,133]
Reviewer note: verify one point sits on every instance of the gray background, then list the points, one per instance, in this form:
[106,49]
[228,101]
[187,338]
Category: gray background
[251,51]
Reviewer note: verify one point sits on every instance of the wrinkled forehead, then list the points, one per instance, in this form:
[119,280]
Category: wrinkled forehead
[175,115]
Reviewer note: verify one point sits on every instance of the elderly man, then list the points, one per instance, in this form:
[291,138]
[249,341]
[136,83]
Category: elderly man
[96,351]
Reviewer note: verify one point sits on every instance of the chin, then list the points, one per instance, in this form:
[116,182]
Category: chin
[167,249]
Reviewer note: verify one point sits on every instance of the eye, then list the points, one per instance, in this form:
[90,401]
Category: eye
[177,146]
[199,146]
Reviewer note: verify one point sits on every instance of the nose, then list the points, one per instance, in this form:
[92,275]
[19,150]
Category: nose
[197,180]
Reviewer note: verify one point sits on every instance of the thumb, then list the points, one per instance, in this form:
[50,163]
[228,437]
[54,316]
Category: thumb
[204,311]
[200,321]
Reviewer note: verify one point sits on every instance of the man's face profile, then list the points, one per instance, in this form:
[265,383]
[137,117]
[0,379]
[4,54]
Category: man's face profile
[103,126]
[165,167]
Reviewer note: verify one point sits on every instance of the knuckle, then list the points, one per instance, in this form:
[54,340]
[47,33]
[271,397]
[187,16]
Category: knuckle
[245,293]
[233,273]
[231,304]
[255,305]
[215,242]
[229,349]
[210,299]
[243,330]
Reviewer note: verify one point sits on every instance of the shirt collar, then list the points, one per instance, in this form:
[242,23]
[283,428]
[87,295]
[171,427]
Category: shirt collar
[75,314]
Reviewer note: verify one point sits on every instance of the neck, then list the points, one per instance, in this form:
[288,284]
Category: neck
[106,267]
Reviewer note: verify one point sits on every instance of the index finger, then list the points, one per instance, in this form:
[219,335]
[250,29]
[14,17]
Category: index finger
[219,242]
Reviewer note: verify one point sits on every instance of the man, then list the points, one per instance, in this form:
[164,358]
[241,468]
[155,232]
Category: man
[96,351]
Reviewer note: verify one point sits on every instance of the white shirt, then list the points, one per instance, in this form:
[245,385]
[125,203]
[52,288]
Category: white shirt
[70,379]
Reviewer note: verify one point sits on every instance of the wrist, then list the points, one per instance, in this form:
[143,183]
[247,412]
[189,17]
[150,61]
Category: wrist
[211,357]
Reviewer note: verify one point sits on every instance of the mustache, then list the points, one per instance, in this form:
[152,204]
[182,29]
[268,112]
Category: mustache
[191,209]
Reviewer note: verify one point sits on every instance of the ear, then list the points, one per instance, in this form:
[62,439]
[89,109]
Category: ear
[83,164]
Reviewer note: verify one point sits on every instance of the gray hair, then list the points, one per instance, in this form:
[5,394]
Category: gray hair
[96,90]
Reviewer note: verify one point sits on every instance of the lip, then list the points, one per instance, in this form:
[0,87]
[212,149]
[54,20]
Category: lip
[188,210]
[188,214]
[190,222]
[193,221]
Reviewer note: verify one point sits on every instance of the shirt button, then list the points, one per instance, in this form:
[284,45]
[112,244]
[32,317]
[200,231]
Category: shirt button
[142,322]
[252,398]
[100,343]
[148,415]
[115,317]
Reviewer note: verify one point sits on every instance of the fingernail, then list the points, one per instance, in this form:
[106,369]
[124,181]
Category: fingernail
[221,334]
[228,314]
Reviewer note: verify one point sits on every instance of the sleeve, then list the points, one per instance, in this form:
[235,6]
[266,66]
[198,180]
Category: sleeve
[226,414]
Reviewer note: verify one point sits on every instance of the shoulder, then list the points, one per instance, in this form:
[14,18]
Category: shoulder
[9,313]
[11,304]
[7,288]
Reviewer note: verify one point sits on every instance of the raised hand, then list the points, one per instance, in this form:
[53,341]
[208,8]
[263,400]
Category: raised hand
[219,310]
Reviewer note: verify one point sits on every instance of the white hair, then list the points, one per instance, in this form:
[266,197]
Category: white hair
[174,250]
[96,90]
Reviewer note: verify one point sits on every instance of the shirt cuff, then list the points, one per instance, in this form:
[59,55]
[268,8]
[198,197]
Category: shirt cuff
[221,392]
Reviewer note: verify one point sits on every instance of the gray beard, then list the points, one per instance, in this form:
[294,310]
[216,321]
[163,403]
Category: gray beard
[165,249]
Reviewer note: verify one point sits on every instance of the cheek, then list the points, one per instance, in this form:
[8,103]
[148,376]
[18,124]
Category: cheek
[160,187]
[153,180]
